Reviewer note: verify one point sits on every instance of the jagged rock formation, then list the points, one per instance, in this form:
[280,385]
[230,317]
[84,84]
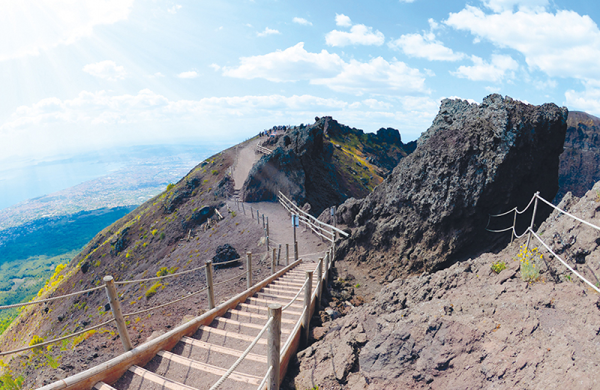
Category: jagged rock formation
[475,160]
[580,161]
[464,327]
[324,164]
[468,327]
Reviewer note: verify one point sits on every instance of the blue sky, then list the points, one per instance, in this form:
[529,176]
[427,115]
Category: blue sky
[89,74]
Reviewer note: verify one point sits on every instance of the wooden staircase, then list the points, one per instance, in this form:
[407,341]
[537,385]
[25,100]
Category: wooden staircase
[197,362]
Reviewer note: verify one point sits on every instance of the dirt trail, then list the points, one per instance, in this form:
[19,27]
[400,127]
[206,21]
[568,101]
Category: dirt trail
[246,157]
[310,247]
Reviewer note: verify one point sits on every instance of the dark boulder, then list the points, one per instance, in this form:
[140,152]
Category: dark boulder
[475,160]
[121,242]
[225,187]
[179,194]
[224,254]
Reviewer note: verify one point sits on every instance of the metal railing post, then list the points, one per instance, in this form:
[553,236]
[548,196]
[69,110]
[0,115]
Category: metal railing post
[307,295]
[274,346]
[535,203]
[115,307]
[319,284]
[273,261]
[512,233]
[209,282]
[248,270]
[287,254]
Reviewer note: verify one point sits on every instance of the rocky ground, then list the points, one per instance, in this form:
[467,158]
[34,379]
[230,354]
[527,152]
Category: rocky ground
[467,327]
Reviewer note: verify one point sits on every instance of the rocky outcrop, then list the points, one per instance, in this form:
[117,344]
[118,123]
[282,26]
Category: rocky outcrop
[475,160]
[461,327]
[324,164]
[581,158]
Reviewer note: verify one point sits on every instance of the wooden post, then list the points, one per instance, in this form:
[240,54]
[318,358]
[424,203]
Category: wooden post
[295,250]
[209,282]
[273,261]
[243,208]
[326,278]
[115,307]
[287,254]
[248,270]
[267,238]
[306,319]
[264,225]
[267,226]
[251,212]
[279,255]
[274,346]
[257,217]
[319,284]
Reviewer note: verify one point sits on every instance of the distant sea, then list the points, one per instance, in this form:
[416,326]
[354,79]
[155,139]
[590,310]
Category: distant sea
[27,180]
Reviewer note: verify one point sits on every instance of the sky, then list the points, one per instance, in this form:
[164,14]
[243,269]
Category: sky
[83,75]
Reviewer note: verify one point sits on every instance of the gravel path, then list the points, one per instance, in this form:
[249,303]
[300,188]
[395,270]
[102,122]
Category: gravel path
[310,246]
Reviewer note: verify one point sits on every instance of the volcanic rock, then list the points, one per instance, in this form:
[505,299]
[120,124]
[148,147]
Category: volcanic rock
[475,160]
[324,164]
[579,162]
[224,254]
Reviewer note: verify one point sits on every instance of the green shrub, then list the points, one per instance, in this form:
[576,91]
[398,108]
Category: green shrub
[528,258]
[162,235]
[498,266]
[214,172]
[170,186]
[152,290]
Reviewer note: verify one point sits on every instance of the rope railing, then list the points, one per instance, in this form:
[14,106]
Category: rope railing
[45,343]
[243,355]
[160,277]
[52,299]
[230,279]
[343,233]
[262,384]
[295,297]
[165,304]
[564,263]
[530,231]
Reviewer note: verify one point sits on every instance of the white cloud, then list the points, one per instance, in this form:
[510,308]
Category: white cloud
[407,1]
[215,67]
[509,5]
[564,44]
[107,70]
[342,20]
[302,21]
[359,35]
[377,77]
[587,100]
[33,26]
[295,63]
[191,74]
[291,64]
[95,120]
[501,67]
[267,31]
[425,46]
[173,10]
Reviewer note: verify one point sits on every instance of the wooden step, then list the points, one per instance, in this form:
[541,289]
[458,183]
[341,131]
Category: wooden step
[235,323]
[263,308]
[269,301]
[259,317]
[218,371]
[158,380]
[224,350]
[233,335]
